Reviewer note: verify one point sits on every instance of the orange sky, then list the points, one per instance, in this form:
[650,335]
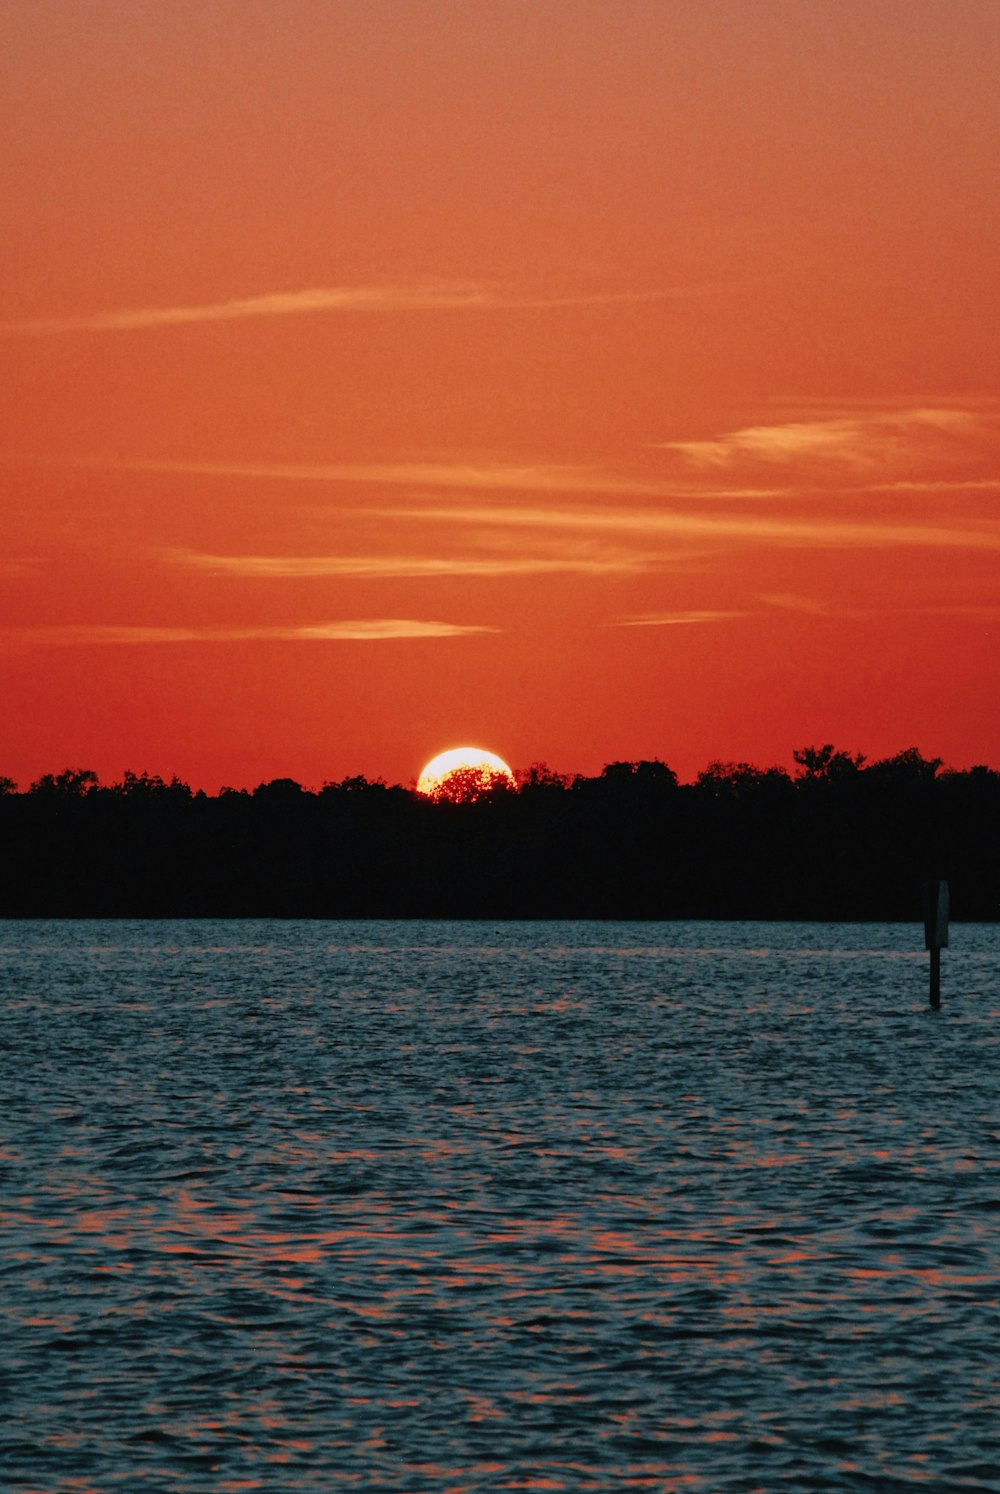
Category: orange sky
[587,379]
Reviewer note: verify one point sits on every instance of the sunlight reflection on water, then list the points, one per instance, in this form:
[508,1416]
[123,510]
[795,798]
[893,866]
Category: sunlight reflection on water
[431,1206]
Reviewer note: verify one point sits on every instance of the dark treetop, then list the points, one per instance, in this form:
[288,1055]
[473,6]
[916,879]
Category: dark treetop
[839,839]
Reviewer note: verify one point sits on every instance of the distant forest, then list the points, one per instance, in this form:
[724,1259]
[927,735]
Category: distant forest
[839,838]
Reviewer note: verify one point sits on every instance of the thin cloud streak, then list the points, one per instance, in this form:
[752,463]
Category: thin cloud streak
[787,601]
[489,475]
[803,490]
[833,533]
[676,619]
[373,629]
[813,607]
[498,476]
[537,478]
[348,298]
[281,303]
[400,567]
[848,440]
[973,485]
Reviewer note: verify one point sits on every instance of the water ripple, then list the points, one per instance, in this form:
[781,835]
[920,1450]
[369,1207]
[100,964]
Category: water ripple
[462,1207]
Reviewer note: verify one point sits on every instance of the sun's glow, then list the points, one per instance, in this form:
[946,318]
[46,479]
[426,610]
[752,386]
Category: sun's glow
[463,774]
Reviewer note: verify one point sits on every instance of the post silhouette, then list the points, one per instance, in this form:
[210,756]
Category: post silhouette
[936,934]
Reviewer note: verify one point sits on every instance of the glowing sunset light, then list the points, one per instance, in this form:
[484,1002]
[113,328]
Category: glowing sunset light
[463,774]
[628,385]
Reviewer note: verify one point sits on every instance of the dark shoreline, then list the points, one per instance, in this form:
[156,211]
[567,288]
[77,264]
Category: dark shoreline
[852,845]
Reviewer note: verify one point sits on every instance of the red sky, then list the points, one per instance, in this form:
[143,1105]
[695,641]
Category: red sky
[586,380]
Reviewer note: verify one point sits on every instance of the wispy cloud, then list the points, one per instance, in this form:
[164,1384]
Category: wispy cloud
[787,601]
[491,476]
[534,540]
[796,488]
[539,478]
[671,523]
[278,303]
[975,485]
[377,628]
[470,476]
[855,440]
[391,297]
[815,607]
[581,560]
[371,629]
[675,619]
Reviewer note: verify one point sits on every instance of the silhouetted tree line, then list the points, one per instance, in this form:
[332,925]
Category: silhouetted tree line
[837,839]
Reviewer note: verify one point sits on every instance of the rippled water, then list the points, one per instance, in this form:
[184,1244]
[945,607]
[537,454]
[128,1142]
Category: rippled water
[463,1206]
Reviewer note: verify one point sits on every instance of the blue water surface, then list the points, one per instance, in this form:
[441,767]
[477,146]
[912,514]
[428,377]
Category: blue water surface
[702,1207]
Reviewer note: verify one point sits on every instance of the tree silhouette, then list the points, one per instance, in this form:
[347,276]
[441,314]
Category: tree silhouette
[469,785]
[149,786]
[825,764]
[539,777]
[70,783]
[840,840]
[645,774]
[907,769]
[279,792]
[741,781]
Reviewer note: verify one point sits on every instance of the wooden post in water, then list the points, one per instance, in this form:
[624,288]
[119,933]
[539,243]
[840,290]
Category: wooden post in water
[936,934]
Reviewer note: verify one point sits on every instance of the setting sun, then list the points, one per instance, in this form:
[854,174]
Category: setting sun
[627,389]
[463,774]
